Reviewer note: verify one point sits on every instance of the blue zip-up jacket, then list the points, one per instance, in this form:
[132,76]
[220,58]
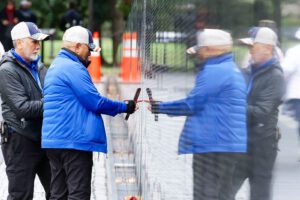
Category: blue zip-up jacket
[215,109]
[73,107]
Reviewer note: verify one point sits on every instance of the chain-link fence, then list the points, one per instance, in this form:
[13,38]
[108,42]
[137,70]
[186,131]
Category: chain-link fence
[165,29]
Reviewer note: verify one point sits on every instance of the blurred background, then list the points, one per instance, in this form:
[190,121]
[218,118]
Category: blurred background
[112,17]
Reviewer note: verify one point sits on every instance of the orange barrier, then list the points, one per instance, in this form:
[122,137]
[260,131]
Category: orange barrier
[95,66]
[130,62]
[132,198]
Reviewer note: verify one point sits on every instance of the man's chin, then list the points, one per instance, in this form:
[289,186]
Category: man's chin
[33,57]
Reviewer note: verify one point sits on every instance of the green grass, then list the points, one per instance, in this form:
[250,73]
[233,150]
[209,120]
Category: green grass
[47,51]
[239,52]
[106,45]
[171,54]
[106,50]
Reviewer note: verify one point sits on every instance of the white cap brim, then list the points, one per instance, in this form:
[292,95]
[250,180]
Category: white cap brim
[39,36]
[297,34]
[247,41]
[192,50]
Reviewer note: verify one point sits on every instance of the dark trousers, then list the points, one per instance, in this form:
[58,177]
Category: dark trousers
[213,173]
[71,174]
[296,106]
[258,166]
[24,160]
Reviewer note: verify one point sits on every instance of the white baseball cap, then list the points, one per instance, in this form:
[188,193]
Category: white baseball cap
[27,30]
[297,34]
[78,34]
[211,37]
[263,35]
[25,3]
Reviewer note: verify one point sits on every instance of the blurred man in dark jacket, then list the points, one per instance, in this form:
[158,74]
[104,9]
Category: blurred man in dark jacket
[71,17]
[25,13]
[21,82]
[9,18]
[266,88]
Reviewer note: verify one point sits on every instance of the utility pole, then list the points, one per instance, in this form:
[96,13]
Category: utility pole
[91,15]
[277,15]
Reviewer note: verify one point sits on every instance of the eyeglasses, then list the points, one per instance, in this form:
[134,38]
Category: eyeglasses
[91,47]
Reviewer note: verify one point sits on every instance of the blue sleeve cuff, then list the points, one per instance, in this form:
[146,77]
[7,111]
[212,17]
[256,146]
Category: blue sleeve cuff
[123,107]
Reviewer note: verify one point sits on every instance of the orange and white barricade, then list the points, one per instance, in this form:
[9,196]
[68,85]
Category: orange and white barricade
[130,62]
[95,66]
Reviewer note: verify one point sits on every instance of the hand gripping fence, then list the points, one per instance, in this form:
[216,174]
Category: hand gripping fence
[136,96]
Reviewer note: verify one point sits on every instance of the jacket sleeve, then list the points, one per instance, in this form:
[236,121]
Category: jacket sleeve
[192,104]
[271,98]
[14,94]
[290,63]
[87,94]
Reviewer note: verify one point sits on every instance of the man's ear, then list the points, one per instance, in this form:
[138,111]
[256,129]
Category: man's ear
[77,47]
[19,42]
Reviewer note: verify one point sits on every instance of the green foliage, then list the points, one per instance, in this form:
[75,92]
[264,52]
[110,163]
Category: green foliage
[125,7]
[49,12]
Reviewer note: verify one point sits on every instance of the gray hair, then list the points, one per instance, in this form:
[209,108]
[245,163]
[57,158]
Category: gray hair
[15,42]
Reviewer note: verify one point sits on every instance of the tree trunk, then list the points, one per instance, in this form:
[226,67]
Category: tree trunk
[261,10]
[277,16]
[117,29]
[91,15]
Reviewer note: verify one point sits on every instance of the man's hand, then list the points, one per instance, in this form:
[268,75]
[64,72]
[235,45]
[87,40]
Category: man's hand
[131,107]
[153,106]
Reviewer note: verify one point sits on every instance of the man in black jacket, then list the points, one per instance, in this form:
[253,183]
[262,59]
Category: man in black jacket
[71,17]
[25,13]
[21,82]
[266,88]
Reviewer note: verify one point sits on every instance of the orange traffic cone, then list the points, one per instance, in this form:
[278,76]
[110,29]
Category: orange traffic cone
[95,66]
[125,62]
[130,63]
[135,61]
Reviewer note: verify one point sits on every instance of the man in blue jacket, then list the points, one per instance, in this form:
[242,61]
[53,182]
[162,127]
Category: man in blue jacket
[72,126]
[215,128]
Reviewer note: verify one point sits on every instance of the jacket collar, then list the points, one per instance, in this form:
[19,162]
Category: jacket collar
[268,63]
[219,59]
[32,65]
[73,56]
[271,64]
[9,57]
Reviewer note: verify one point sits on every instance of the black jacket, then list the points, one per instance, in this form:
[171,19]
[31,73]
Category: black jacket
[70,18]
[22,106]
[264,98]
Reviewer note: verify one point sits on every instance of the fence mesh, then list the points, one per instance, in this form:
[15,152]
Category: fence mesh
[165,29]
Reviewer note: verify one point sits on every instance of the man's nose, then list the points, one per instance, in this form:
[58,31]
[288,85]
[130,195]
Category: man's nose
[38,46]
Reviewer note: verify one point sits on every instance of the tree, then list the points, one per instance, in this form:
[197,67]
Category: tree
[115,12]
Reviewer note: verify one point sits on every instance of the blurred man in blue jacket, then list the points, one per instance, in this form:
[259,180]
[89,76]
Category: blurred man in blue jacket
[215,128]
[72,126]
